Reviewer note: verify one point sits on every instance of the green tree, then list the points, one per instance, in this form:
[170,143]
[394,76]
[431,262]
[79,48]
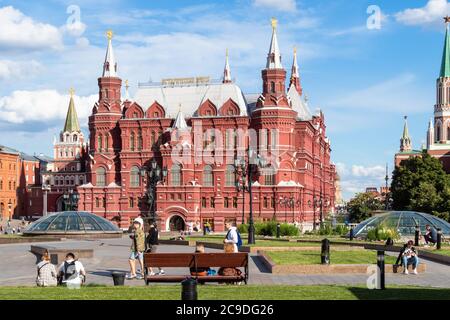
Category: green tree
[420,184]
[361,206]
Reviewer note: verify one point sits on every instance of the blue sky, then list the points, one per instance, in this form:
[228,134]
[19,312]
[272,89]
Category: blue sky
[363,79]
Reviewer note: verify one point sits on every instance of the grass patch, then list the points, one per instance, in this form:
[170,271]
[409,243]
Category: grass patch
[218,292]
[445,252]
[336,257]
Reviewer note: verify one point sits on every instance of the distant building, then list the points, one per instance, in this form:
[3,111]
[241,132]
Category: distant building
[438,133]
[9,177]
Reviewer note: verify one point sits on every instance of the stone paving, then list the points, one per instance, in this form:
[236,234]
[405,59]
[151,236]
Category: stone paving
[17,265]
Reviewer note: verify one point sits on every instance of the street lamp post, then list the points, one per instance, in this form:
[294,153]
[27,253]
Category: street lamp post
[10,210]
[241,183]
[45,189]
[153,175]
[250,168]
[289,203]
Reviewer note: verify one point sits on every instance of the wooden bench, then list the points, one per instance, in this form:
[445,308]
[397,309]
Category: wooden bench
[196,260]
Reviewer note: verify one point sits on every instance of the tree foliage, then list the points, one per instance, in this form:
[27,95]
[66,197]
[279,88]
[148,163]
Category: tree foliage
[421,184]
[361,206]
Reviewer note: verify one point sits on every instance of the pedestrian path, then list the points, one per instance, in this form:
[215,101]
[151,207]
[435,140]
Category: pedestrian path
[18,267]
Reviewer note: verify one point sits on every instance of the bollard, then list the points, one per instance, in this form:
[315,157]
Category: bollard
[278,230]
[189,289]
[325,252]
[416,236]
[351,234]
[389,242]
[380,264]
[439,238]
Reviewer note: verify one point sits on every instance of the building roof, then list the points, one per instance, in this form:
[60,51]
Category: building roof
[190,96]
[71,124]
[445,65]
[110,66]
[8,150]
[298,104]
[180,122]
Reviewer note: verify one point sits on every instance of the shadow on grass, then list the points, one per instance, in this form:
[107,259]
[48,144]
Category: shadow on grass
[414,293]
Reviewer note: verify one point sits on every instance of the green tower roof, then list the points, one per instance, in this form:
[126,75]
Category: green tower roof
[71,124]
[445,66]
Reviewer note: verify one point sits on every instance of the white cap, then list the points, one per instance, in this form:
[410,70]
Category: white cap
[140,220]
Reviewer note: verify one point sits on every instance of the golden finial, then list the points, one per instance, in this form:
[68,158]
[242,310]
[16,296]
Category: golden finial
[126,84]
[295,49]
[109,34]
[274,23]
[71,92]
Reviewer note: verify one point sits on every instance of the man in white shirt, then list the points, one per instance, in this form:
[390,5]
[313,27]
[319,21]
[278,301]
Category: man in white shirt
[232,236]
[71,271]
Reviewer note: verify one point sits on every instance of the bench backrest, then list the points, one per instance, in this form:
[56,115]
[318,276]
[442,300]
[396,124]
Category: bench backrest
[190,259]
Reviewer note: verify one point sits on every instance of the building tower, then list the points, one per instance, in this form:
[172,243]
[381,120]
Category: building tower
[226,70]
[295,75]
[273,117]
[405,140]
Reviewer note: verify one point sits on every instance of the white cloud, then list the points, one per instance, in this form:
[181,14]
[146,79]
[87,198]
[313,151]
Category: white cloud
[362,171]
[432,12]
[17,31]
[75,29]
[18,69]
[42,105]
[281,5]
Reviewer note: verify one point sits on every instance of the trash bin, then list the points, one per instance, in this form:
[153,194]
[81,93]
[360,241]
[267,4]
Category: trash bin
[189,289]
[118,278]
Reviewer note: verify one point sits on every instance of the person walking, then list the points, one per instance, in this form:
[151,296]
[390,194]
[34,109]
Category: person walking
[152,245]
[46,272]
[137,251]
[232,236]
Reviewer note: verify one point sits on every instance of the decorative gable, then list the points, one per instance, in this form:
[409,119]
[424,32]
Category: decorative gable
[207,109]
[155,111]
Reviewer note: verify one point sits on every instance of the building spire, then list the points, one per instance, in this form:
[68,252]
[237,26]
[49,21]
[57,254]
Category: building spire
[180,122]
[226,70]
[274,56]
[127,94]
[295,75]
[110,65]
[405,141]
[430,134]
[71,124]
[445,65]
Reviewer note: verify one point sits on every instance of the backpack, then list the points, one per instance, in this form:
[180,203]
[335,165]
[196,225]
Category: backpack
[239,242]
[69,270]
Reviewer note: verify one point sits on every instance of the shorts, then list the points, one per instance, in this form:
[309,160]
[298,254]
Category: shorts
[139,255]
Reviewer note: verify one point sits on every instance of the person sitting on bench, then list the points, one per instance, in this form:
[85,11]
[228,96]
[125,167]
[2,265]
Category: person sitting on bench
[229,248]
[430,235]
[409,256]
[199,271]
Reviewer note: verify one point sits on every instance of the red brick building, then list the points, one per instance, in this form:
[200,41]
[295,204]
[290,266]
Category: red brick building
[196,128]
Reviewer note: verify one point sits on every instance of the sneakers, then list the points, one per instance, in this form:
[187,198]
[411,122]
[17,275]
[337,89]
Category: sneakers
[130,276]
[161,272]
[415,271]
[406,271]
[139,277]
[152,274]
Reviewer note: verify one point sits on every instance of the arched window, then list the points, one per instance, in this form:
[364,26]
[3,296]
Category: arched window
[208,176]
[132,142]
[272,86]
[139,141]
[175,173]
[438,133]
[230,176]
[106,142]
[99,143]
[101,177]
[269,177]
[134,177]
[75,138]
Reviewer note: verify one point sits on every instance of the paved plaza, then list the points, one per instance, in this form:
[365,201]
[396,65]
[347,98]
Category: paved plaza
[17,265]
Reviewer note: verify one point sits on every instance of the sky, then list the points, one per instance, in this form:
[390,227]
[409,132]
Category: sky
[365,64]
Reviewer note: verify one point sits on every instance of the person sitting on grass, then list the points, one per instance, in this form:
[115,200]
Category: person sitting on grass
[71,271]
[46,272]
[137,250]
[200,248]
[229,271]
[430,235]
[409,256]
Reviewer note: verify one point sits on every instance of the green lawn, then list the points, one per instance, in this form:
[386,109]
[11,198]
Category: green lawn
[445,252]
[218,292]
[336,257]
